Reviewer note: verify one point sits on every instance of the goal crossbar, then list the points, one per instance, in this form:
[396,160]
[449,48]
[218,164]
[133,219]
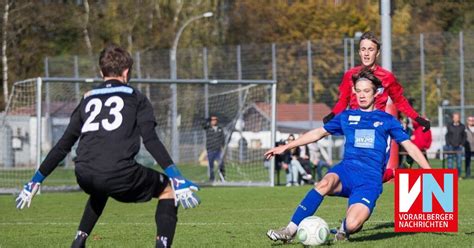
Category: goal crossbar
[42,85]
[166,81]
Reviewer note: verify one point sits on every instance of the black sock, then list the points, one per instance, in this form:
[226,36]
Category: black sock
[79,240]
[166,217]
[94,207]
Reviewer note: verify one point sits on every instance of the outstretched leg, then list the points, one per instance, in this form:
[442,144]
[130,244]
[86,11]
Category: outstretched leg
[94,208]
[330,184]
[357,214]
[166,217]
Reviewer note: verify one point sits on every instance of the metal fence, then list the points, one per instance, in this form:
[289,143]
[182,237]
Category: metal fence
[434,68]
[39,109]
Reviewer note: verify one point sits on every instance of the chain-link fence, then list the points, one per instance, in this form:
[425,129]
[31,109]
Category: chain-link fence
[434,68]
[244,108]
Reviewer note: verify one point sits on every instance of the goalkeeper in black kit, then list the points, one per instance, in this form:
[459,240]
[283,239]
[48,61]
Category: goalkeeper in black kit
[109,122]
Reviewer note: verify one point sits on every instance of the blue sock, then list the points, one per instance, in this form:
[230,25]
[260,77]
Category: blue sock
[307,207]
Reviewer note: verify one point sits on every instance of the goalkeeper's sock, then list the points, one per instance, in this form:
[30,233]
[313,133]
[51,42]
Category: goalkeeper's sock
[94,207]
[79,240]
[307,207]
[166,218]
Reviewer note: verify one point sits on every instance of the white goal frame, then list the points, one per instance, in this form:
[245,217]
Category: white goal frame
[41,93]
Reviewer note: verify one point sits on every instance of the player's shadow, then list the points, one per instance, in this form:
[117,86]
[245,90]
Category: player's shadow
[381,226]
[380,235]
[281,244]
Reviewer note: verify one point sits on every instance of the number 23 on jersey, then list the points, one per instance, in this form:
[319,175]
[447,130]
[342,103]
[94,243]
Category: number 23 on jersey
[94,107]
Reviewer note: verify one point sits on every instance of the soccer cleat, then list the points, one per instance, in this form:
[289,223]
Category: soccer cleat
[79,240]
[341,236]
[339,233]
[282,234]
[162,242]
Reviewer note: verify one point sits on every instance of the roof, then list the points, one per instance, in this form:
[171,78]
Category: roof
[295,111]
[55,108]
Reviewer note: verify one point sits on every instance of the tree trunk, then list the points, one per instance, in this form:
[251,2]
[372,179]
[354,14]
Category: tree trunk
[4,51]
[87,38]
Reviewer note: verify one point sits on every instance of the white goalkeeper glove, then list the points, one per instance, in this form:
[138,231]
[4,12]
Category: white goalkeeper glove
[29,191]
[183,188]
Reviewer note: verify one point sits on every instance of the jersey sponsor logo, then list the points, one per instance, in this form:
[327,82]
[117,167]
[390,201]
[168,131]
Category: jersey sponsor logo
[426,200]
[354,117]
[378,123]
[364,138]
[103,91]
[353,123]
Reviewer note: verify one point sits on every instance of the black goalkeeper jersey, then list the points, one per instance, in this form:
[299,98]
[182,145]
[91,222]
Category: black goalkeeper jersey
[109,122]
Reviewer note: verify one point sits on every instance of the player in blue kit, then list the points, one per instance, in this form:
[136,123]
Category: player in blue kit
[358,176]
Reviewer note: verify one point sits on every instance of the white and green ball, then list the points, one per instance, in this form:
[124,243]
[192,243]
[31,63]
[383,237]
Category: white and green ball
[313,231]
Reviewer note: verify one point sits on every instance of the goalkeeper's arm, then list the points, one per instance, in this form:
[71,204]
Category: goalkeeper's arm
[182,187]
[56,155]
[416,154]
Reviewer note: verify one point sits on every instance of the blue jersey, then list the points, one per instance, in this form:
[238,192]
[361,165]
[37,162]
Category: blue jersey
[368,136]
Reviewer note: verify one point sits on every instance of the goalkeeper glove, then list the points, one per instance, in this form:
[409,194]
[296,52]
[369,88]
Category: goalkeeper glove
[183,188]
[423,122]
[29,191]
[328,117]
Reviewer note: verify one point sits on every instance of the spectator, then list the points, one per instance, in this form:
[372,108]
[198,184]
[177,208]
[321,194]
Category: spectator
[304,158]
[403,156]
[469,145]
[421,139]
[215,140]
[295,169]
[315,158]
[281,161]
[455,139]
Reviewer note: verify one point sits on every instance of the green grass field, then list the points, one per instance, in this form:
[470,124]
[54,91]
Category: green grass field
[228,217]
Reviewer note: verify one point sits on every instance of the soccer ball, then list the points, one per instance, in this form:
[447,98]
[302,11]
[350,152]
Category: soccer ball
[313,231]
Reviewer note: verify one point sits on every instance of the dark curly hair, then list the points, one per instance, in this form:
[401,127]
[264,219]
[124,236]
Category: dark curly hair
[367,73]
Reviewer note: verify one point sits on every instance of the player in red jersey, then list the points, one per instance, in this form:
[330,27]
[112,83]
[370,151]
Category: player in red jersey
[369,50]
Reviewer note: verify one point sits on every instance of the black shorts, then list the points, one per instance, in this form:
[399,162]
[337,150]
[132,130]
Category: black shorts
[136,184]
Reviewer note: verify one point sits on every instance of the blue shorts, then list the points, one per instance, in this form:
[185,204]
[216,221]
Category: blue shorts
[358,185]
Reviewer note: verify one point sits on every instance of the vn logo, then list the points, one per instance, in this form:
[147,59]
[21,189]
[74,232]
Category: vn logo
[426,200]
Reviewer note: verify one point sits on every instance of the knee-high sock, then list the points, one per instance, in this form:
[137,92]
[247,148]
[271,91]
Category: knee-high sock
[166,218]
[308,206]
[94,207]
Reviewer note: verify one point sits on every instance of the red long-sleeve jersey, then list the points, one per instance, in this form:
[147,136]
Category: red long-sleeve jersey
[392,88]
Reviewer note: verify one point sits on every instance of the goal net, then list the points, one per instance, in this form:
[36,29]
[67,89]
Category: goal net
[181,110]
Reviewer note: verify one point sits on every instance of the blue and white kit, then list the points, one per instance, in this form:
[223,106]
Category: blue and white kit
[368,136]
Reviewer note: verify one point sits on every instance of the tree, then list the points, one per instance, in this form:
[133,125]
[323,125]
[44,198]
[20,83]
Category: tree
[4,50]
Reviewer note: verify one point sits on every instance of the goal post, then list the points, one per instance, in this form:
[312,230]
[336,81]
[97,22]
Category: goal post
[246,110]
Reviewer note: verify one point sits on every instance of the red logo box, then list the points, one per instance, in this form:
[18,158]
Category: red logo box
[426,200]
